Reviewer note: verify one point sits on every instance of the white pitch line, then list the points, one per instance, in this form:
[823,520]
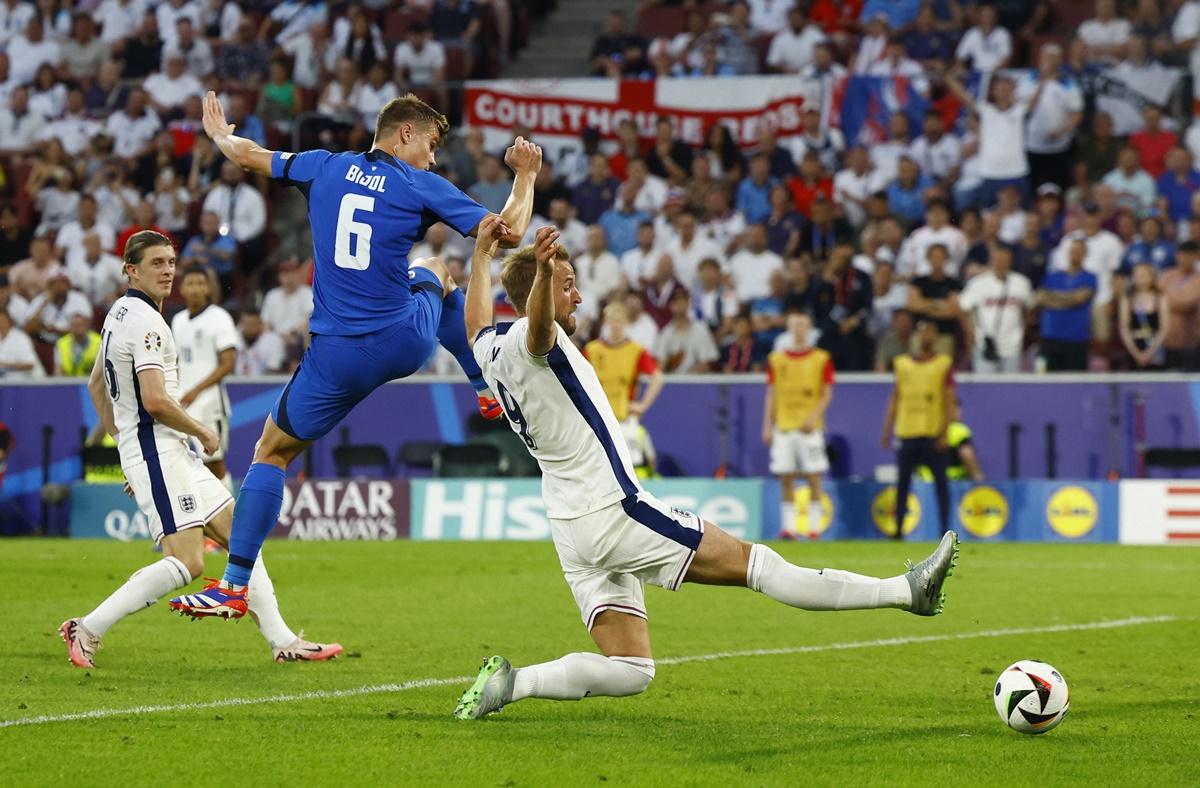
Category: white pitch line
[421,683]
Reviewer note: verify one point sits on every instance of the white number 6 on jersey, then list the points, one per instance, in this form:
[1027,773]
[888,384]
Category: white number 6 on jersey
[350,231]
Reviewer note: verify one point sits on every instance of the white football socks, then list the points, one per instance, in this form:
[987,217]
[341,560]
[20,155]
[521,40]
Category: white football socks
[787,517]
[828,589]
[260,599]
[816,513]
[144,587]
[581,675]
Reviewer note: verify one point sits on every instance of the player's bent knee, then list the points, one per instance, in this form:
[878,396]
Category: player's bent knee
[638,673]
[194,564]
[437,266]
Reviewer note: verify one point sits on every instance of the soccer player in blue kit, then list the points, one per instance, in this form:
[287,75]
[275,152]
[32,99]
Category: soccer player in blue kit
[376,315]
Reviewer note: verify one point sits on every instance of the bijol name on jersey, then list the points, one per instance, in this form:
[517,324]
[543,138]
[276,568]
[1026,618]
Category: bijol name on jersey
[372,182]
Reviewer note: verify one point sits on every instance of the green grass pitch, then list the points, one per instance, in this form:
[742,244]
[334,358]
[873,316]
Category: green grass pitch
[916,711]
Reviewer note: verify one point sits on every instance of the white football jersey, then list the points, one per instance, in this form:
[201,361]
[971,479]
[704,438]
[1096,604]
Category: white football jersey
[200,340]
[136,337]
[558,408]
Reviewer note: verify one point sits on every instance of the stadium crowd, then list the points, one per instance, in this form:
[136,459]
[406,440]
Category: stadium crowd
[1033,228]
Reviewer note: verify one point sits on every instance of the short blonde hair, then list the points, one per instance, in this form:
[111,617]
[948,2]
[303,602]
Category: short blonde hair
[409,109]
[518,271]
[617,309]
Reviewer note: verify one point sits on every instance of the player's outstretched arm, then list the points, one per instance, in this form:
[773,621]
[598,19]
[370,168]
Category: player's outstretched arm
[525,159]
[543,334]
[168,412]
[245,153]
[478,310]
[96,388]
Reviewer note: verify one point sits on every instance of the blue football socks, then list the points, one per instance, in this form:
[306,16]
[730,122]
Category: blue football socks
[452,333]
[254,516]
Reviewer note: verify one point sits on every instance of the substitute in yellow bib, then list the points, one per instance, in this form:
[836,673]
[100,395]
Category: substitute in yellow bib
[620,364]
[75,352]
[918,413]
[799,390]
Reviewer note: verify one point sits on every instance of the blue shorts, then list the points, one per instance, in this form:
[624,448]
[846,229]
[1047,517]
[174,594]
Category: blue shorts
[338,372]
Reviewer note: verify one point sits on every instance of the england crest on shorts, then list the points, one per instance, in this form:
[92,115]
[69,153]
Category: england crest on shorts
[187,503]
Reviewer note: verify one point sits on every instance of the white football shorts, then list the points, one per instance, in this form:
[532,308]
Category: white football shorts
[609,554]
[216,421]
[175,492]
[795,452]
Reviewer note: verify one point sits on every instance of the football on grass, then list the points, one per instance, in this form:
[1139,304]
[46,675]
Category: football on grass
[1031,696]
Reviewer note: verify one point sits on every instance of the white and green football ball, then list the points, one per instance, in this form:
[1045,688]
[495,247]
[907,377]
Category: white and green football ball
[1031,696]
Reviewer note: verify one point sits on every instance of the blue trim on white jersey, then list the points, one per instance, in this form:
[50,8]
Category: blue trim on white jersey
[561,366]
[158,485]
[133,293]
[641,512]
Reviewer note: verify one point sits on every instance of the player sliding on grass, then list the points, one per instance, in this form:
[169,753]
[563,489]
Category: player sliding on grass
[376,316]
[135,388]
[611,535]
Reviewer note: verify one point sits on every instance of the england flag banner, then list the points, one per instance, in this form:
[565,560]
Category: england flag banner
[555,113]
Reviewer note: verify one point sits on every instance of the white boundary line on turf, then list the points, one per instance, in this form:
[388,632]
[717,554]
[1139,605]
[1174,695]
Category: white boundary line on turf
[421,683]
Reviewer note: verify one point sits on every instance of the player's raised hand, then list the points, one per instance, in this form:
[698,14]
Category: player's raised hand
[524,156]
[545,244]
[491,230]
[215,124]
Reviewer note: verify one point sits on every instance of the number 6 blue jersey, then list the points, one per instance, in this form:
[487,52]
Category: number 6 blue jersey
[366,211]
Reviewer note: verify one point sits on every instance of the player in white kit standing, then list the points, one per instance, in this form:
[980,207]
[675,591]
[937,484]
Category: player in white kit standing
[134,386]
[207,340]
[612,536]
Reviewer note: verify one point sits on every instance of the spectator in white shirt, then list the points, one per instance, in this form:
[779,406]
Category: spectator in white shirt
[1185,31]
[873,46]
[14,15]
[18,359]
[73,128]
[994,306]
[196,53]
[259,352]
[171,199]
[725,226]
[987,46]
[886,155]
[651,189]
[287,308]
[49,314]
[713,303]
[792,48]
[913,262]
[769,16]
[20,127]
[57,203]
[420,61]
[29,50]
[100,275]
[854,184]
[134,127]
[1106,34]
[314,57]
[116,200]
[70,236]
[1008,213]
[597,270]
[169,12]
[1002,159]
[896,63]
[689,248]
[1053,121]
[169,89]
[937,153]
[118,18]
[373,92]
[242,211]
[751,268]
[825,70]
[638,264]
